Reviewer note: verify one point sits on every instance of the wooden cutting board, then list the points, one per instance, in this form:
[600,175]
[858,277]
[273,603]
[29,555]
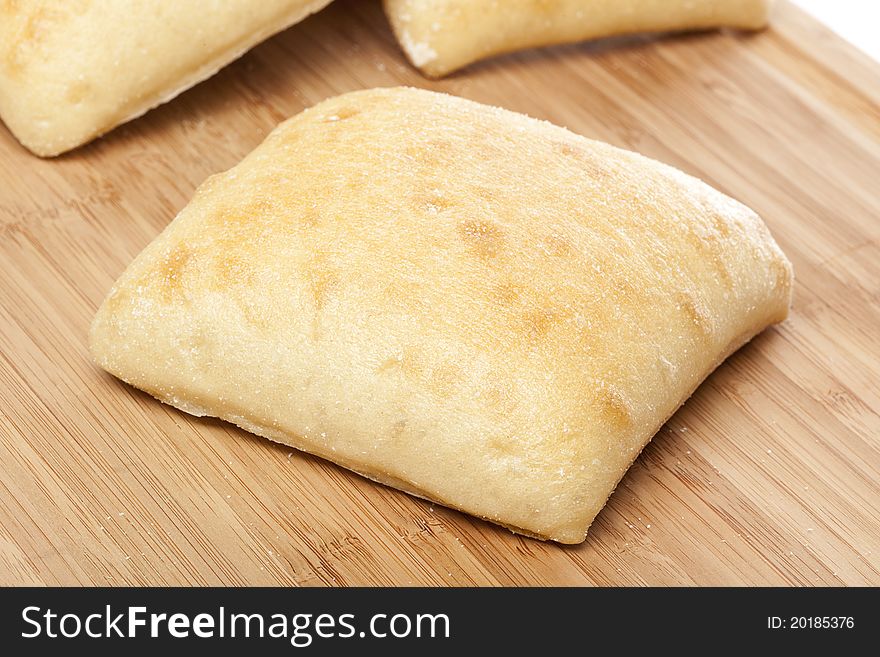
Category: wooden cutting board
[768,475]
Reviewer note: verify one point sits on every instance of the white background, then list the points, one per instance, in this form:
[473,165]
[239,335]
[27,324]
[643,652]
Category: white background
[858,21]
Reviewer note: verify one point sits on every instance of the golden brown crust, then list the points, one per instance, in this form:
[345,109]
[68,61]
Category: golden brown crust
[472,305]
[72,70]
[440,36]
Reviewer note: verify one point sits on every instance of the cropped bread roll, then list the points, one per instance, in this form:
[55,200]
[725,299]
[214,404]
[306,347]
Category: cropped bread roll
[71,70]
[440,36]
[470,305]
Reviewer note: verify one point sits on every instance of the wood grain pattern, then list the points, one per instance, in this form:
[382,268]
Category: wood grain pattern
[770,474]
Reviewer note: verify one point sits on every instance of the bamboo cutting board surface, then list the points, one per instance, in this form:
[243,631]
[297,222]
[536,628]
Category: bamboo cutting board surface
[770,474]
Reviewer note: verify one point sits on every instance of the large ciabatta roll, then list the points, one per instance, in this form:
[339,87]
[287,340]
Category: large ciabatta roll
[440,36]
[70,70]
[465,303]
